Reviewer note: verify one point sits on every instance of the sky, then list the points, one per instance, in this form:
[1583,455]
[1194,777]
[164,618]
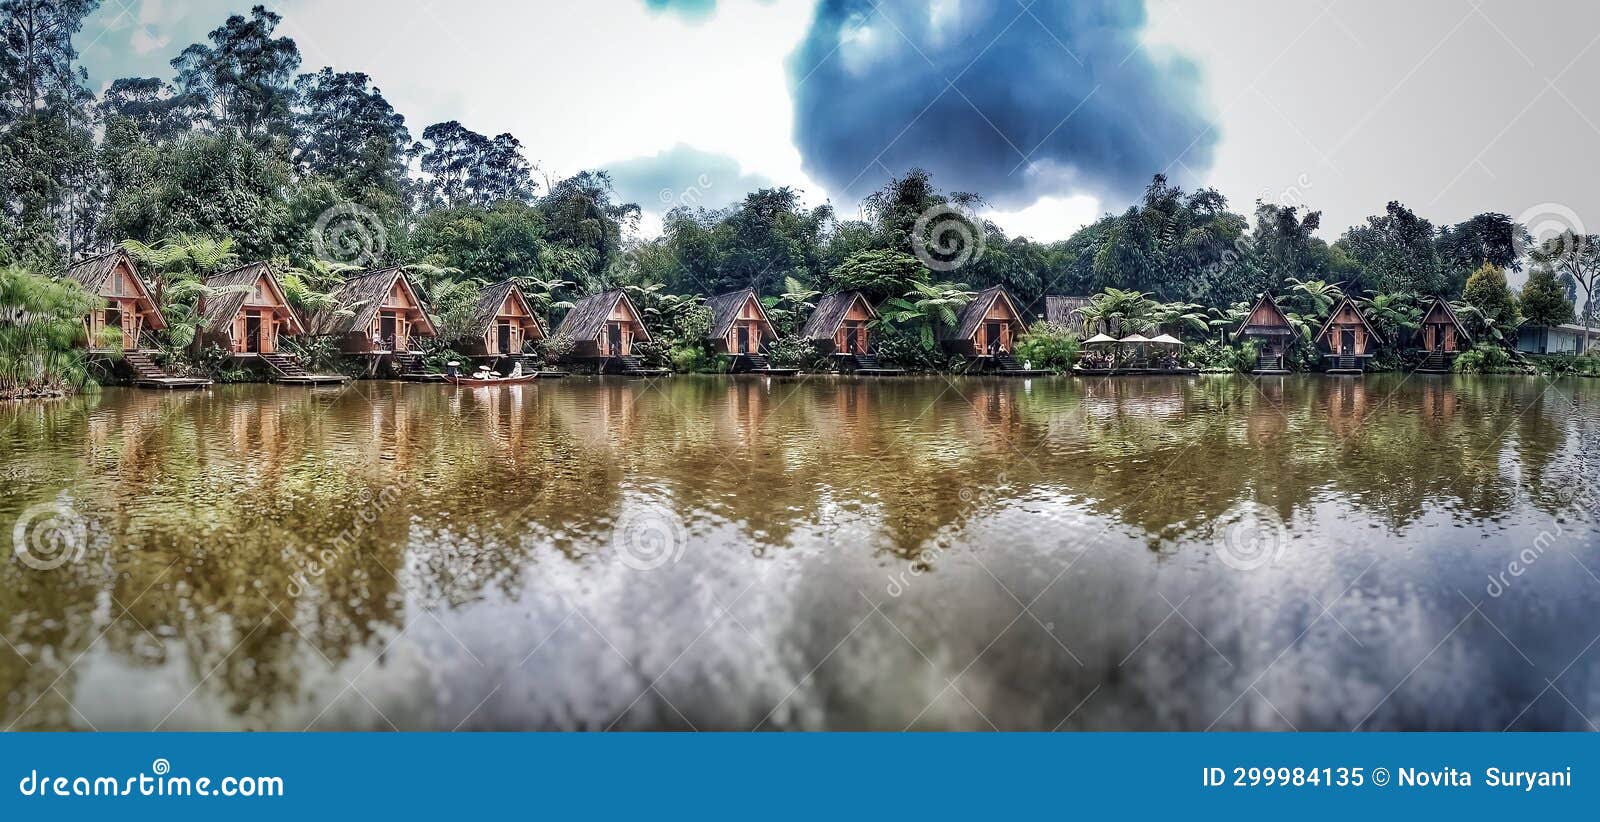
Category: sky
[1055,112]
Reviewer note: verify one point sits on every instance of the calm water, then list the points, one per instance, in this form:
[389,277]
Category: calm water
[713,553]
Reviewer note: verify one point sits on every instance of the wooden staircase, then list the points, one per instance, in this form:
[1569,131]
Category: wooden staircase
[868,365]
[1006,362]
[1344,364]
[1268,363]
[1436,361]
[287,369]
[632,366]
[147,374]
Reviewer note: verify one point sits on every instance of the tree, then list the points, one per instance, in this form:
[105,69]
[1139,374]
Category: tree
[1395,251]
[150,106]
[1486,238]
[1491,305]
[1576,256]
[244,76]
[581,214]
[876,274]
[36,55]
[349,133]
[1543,301]
[465,167]
[41,333]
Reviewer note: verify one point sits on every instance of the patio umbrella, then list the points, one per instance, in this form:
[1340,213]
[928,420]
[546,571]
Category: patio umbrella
[1166,339]
[1100,339]
[1135,339]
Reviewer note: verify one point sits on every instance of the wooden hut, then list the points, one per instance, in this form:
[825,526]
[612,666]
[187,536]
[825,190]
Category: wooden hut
[247,315]
[604,328]
[129,306]
[502,322]
[1347,340]
[986,331]
[374,313]
[740,328]
[840,328]
[1267,324]
[1442,336]
[246,312]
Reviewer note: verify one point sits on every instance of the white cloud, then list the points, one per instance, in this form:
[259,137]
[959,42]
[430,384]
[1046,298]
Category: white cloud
[1048,219]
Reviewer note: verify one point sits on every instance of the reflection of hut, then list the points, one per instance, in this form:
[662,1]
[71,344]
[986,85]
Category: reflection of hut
[604,328]
[987,329]
[130,308]
[1442,336]
[1347,407]
[502,323]
[247,315]
[840,327]
[377,314]
[1267,324]
[1347,340]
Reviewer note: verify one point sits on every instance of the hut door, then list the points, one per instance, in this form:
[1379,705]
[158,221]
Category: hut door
[504,339]
[252,333]
[386,329]
[991,336]
[744,339]
[615,330]
[852,340]
[1347,341]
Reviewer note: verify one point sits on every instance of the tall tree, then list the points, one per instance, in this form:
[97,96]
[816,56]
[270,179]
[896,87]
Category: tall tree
[1576,256]
[244,75]
[151,106]
[581,213]
[1543,301]
[465,167]
[36,55]
[349,133]
[1396,252]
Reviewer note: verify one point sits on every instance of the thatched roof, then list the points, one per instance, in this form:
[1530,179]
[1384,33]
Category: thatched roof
[219,310]
[588,316]
[972,314]
[489,303]
[1281,327]
[1060,310]
[831,311]
[92,273]
[1461,327]
[725,308]
[1372,332]
[357,300]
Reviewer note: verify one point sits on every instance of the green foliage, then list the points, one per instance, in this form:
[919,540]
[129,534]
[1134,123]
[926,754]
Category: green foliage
[1047,345]
[793,352]
[1491,310]
[41,329]
[924,310]
[1568,365]
[1484,358]
[556,348]
[1543,301]
[878,274]
[694,359]
[1213,356]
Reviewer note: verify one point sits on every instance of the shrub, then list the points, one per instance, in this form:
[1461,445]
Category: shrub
[1047,345]
[692,358]
[1484,358]
[794,352]
[556,347]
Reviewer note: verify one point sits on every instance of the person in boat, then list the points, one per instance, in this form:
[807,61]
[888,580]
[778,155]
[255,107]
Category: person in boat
[452,369]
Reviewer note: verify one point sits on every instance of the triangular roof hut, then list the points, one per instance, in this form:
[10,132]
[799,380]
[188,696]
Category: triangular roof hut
[597,314]
[251,284]
[114,277]
[736,308]
[503,304]
[362,303]
[970,333]
[1348,316]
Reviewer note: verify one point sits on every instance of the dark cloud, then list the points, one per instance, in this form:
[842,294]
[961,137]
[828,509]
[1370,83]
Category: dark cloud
[682,175]
[979,92]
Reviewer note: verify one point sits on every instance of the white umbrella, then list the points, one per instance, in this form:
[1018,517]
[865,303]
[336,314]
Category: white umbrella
[1100,339]
[1167,339]
[1135,339]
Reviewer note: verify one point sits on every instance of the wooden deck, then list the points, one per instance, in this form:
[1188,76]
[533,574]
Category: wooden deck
[171,383]
[311,379]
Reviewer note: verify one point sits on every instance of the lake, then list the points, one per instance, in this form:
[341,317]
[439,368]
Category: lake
[1212,552]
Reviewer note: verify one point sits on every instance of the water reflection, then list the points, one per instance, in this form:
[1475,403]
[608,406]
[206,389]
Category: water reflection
[842,554]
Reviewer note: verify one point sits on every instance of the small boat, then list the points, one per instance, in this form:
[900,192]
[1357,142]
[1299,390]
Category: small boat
[487,377]
[476,381]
